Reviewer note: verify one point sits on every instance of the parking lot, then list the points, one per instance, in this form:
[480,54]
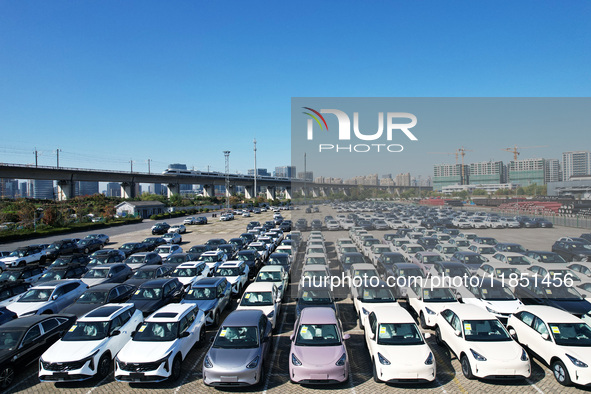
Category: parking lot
[449,376]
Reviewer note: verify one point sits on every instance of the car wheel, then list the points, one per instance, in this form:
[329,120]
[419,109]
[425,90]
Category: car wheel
[202,335]
[360,321]
[438,337]
[6,376]
[374,372]
[86,250]
[466,368]
[560,373]
[104,366]
[175,372]
[422,321]
[216,319]
[21,264]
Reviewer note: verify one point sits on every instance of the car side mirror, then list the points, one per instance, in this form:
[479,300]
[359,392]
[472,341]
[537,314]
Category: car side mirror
[346,336]
[115,333]
[458,333]
[512,333]
[546,336]
[372,335]
[133,334]
[291,337]
[427,335]
[110,275]
[184,334]
[54,297]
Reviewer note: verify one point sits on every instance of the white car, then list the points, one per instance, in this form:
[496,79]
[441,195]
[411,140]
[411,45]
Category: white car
[190,272]
[245,214]
[446,250]
[165,251]
[409,250]
[560,339]
[178,228]
[377,250]
[428,298]
[236,273]
[398,350]
[481,343]
[261,248]
[493,222]
[213,259]
[190,220]
[510,258]
[333,225]
[490,295]
[460,243]
[275,274]
[50,297]
[368,298]
[172,238]
[89,346]
[264,296]
[160,344]
[23,256]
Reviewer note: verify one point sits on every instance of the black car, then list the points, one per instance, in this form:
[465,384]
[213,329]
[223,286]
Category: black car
[100,295]
[280,259]
[23,340]
[148,272]
[572,251]
[229,249]
[200,220]
[29,274]
[154,294]
[553,294]
[386,261]
[215,242]
[314,296]
[285,226]
[179,258]
[63,261]
[199,249]
[248,237]
[73,271]
[252,225]
[316,224]
[106,256]
[347,259]
[543,223]
[153,242]
[160,228]
[252,259]
[6,316]
[428,243]
[586,236]
[12,289]
[130,248]
[89,245]
[545,257]
[239,243]
[62,247]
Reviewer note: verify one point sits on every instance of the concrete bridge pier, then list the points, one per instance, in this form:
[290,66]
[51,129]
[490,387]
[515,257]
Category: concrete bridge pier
[173,188]
[65,190]
[129,189]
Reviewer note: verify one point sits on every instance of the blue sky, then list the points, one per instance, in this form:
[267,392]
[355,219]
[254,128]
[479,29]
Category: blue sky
[181,81]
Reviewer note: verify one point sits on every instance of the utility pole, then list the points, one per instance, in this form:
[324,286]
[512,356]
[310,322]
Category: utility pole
[58,157]
[255,169]
[305,182]
[227,157]
[35,157]
[131,162]
[148,166]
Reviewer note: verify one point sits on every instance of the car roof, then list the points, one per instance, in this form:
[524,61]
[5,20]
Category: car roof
[510,254]
[392,314]
[243,317]
[550,314]
[231,264]
[154,283]
[362,266]
[190,264]
[105,286]
[106,312]
[55,283]
[208,282]
[170,312]
[149,267]
[260,286]
[270,268]
[318,315]
[105,266]
[471,312]
[28,321]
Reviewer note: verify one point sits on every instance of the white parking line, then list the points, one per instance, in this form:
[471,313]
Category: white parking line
[99,383]
[539,390]
[277,337]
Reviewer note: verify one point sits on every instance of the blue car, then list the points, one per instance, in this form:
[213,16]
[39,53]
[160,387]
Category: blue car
[212,296]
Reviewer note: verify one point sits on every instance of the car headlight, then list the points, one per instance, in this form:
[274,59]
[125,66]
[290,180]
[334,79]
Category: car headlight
[478,356]
[492,311]
[383,360]
[576,362]
[429,360]
[31,313]
[524,355]
[207,362]
[341,360]
[429,311]
[295,361]
[253,363]
[365,311]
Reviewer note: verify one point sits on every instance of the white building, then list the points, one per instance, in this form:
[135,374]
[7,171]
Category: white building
[576,163]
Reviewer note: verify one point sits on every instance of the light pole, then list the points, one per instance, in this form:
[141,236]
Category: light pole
[227,157]
[255,170]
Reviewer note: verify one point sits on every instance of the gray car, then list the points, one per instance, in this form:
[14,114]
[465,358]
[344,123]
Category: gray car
[107,273]
[239,350]
[212,296]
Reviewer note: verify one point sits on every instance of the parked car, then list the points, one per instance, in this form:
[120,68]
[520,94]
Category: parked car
[23,256]
[74,271]
[572,251]
[24,339]
[153,242]
[398,350]
[264,296]
[166,250]
[239,349]
[160,228]
[369,296]
[481,343]
[29,274]
[148,272]
[159,346]
[172,238]
[558,338]
[213,259]
[212,296]
[106,256]
[130,248]
[109,293]
[107,273]
[59,248]
[104,238]
[89,245]
[235,272]
[154,294]
[318,353]
[428,298]
[252,259]
[90,345]
[10,291]
[138,260]
[63,261]
[48,297]
[190,272]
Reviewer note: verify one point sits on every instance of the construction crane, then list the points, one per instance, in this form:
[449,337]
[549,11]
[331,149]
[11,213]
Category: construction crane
[516,153]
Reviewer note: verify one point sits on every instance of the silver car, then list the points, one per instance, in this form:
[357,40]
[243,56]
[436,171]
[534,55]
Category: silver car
[239,349]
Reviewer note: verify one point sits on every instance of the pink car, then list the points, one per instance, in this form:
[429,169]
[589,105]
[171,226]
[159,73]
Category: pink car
[318,354]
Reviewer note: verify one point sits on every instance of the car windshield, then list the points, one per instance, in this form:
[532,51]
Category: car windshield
[456,271]
[562,273]
[258,298]
[162,249]
[201,293]
[184,272]
[36,295]
[515,248]
[237,338]
[393,259]
[551,258]
[518,260]
[399,334]
[93,297]
[429,242]
[316,297]
[234,271]
[269,276]
[315,260]
[472,259]
[245,257]
[496,292]
[414,249]
[148,293]
[278,260]
[571,334]
[485,331]
[135,260]
[442,294]
[87,331]
[559,293]
[318,335]
[10,276]
[52,275]
[199,249]
[581,247]
[18,253]
[127,246]
[411,272]
[207,258]
[376,295]
[157,332]
[177,259]
[257,247]
[506,272]
[431,258]
[449,250]
[365,273]
[462,243]
[60,262]
[348,249]
[144,274]
[487,250]
[97,273]
[54,246]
